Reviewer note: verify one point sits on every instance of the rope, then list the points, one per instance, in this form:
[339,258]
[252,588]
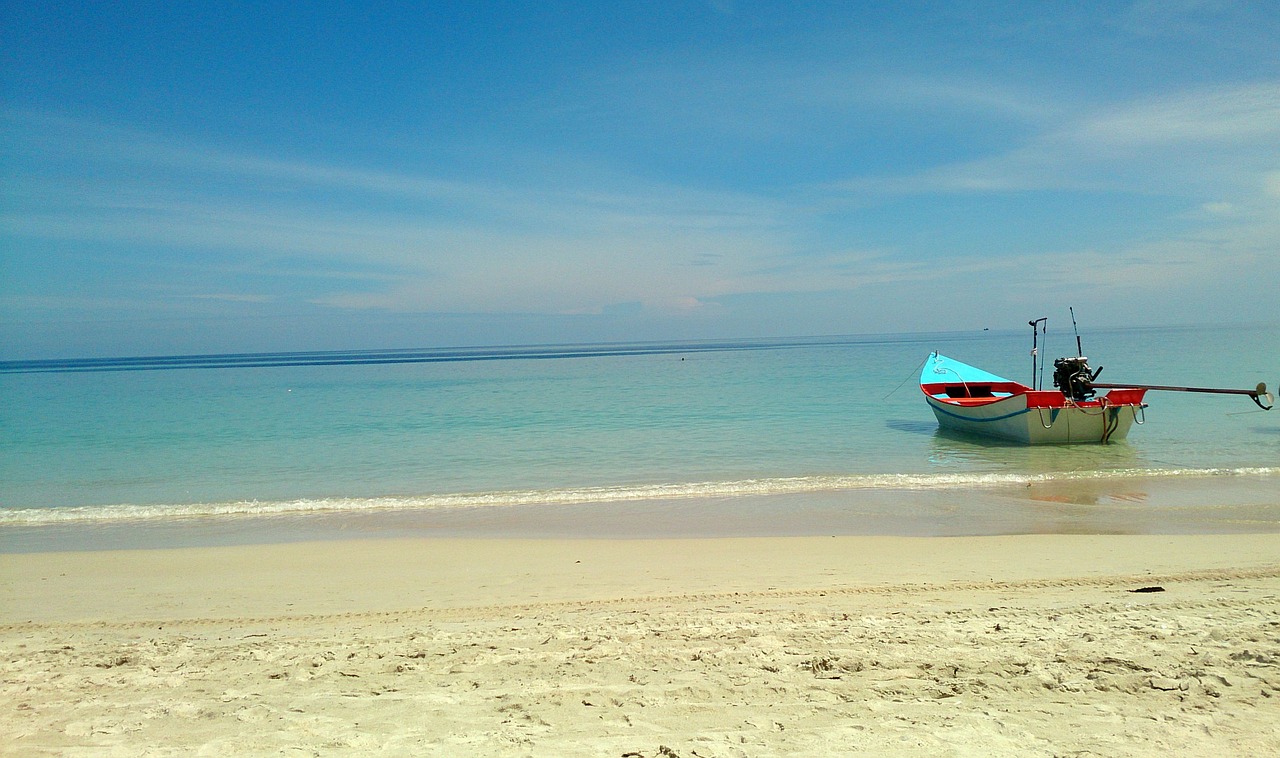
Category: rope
[1109,426]
[904,381]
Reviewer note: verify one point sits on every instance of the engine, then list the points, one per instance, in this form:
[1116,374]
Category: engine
[1074,377]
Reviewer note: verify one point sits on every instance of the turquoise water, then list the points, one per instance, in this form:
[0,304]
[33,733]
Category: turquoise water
[542,427]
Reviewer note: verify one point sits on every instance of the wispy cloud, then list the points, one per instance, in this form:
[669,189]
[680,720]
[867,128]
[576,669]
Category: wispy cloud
[1216,137]
[588,239]
[1234,114]
[433,245]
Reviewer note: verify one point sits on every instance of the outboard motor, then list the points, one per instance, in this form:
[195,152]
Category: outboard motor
[1074,377]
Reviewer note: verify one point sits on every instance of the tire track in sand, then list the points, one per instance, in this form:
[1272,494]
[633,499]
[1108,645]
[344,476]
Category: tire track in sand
[1124,582]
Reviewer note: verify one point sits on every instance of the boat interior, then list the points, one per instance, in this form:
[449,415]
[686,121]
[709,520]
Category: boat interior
[982,393]
[972,393]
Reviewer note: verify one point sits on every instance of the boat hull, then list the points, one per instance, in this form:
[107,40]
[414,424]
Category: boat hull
[1010,419]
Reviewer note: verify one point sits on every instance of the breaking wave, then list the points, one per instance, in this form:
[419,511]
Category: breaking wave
[586,495]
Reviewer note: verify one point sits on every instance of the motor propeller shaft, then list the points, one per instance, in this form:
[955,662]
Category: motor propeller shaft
[1258,394]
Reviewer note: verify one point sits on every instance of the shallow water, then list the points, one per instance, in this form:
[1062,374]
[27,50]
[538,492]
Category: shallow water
[686,424]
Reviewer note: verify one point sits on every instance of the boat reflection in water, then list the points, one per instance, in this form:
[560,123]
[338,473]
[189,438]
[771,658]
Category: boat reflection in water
[1095,489]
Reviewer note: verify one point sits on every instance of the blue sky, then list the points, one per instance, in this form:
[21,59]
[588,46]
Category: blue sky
[244,176]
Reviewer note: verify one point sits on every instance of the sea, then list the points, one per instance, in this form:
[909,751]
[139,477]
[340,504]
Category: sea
[812,436]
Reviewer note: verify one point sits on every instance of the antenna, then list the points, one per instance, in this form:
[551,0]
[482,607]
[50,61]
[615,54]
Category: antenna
[1079,350]
[1036,329]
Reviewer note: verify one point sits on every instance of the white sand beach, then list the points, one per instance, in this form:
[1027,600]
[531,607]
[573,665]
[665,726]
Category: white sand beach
[1026,645]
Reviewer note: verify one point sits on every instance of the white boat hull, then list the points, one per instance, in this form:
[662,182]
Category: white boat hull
[1012,420]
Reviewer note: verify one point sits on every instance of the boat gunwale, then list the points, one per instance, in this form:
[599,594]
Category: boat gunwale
[986,389]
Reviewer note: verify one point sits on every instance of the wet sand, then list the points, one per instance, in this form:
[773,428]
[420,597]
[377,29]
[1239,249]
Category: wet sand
[1134,504]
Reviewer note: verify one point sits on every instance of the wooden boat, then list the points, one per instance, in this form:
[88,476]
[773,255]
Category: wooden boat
[972,401]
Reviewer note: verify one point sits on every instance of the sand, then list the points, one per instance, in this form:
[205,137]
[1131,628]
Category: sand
[1027,645]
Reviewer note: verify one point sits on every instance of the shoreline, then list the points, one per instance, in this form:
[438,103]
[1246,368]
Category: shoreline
[1230,504]
[1027,645]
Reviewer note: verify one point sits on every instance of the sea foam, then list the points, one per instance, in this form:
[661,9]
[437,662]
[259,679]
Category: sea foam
[587,495]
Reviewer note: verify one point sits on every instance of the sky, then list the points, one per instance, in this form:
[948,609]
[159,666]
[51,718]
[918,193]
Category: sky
[239,176]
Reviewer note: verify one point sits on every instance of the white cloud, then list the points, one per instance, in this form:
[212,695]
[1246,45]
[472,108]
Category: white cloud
[439,245]
[1271,184]
[1212,115]
[1214,139]
[579,241]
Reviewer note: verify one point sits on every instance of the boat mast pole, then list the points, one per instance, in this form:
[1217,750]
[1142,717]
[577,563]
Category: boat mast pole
[1035,350]
[1079,350]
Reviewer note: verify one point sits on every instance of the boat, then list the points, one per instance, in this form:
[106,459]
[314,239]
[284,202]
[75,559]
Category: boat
[972,401]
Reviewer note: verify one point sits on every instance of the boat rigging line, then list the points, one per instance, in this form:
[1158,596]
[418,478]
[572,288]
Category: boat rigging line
[910,376]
